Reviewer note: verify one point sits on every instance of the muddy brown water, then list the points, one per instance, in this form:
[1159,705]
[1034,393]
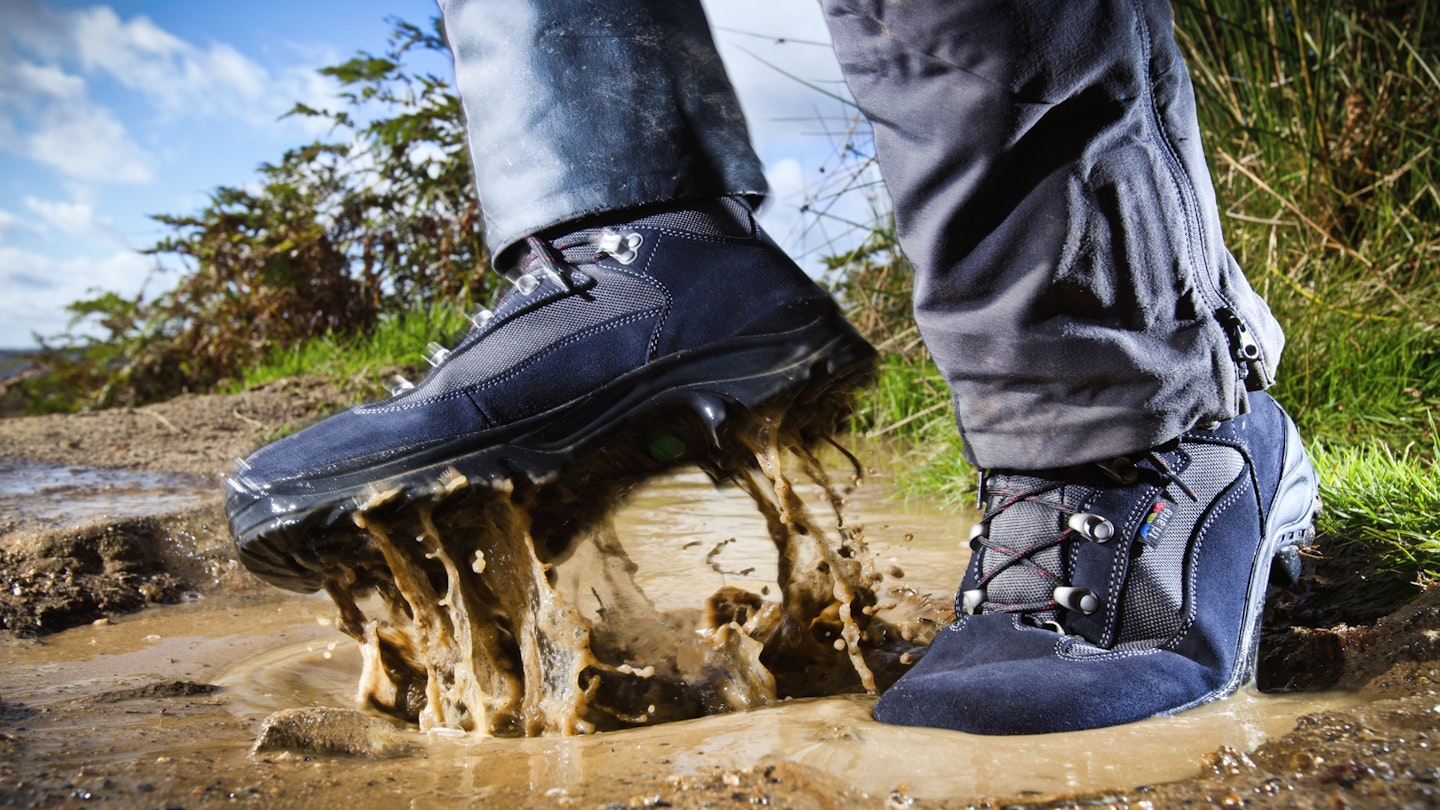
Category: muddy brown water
[56,495]
[84,719]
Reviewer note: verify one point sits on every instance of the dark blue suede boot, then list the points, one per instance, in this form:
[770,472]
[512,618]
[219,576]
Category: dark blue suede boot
[1109,593]
[686,313]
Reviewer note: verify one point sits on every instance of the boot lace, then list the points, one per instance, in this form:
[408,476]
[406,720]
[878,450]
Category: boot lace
[1025,531]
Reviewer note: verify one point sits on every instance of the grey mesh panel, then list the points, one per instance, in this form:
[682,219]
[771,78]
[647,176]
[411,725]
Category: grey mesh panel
[1025,524]
[727,217]
[504,346]
[713,219]
[1153,604]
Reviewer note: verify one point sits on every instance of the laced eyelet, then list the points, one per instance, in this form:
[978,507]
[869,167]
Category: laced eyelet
[435,354]
[480,317]
[1092,526]
[526,283]
[623,248]
[970,601]
[398,385]
[1081,599]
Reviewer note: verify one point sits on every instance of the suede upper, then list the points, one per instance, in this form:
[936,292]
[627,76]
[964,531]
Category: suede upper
[1174,592]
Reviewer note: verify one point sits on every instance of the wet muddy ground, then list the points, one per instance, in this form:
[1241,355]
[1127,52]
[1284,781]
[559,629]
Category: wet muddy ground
[182,682]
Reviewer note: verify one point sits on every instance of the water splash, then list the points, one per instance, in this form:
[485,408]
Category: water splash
[512,608]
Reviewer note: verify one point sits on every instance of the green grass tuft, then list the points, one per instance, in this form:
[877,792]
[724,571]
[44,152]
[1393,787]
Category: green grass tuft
[1383,502]
[397,341]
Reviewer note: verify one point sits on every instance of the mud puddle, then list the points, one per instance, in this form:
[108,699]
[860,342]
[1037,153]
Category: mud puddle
[833,735]
[161,707]
[44,494]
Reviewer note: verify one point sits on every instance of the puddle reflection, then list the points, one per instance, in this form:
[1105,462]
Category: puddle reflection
[68,494]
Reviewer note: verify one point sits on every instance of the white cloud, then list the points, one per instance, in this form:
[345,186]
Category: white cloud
[174,75]
[78,218]
[85,142]
[72,217]
[177,77]
[24,80]
[9,223]
[50,60]
[104,40]
[38,287]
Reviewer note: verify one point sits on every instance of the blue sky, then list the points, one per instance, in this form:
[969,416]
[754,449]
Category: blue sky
[110,112]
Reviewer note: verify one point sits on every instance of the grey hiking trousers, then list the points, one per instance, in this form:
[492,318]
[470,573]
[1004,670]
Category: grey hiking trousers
[1043,159]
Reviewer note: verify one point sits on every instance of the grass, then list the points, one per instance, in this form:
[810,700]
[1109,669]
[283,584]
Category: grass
[1322,124]
[908,408]
[1347,382]
[397,341]
[1384,502]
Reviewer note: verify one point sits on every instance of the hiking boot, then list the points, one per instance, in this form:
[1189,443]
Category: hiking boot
[670,315]
[1111,592]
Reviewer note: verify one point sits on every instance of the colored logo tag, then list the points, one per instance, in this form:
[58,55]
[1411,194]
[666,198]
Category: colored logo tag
[1155,522]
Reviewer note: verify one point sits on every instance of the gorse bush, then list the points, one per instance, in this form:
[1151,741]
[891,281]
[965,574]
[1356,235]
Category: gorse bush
[380,218]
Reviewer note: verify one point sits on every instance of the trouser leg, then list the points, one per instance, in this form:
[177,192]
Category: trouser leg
[1049,188]
[577,107]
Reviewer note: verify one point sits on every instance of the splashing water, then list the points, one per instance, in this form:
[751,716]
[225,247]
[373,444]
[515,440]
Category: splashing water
[511,607]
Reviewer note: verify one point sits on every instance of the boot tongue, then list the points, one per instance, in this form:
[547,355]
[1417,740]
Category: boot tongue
[532,256]
[1028,512]
[1023,525]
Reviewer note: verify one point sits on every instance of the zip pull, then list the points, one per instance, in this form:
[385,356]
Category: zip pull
[1243,348]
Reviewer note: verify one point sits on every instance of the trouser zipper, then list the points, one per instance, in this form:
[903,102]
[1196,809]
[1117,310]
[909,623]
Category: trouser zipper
[1244,350]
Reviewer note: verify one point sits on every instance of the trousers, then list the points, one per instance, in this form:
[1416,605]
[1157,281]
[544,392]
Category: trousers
[1043,160]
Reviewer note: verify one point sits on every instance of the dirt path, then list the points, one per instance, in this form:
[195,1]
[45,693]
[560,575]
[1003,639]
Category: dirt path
[189,434]
[142,723]
[93,566]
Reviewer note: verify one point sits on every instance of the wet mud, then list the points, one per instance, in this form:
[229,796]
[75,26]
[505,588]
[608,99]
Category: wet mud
[512,607]
[62,578]
[104,513]
[181,682]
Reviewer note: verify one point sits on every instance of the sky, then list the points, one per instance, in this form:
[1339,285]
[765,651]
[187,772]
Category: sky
[113,112]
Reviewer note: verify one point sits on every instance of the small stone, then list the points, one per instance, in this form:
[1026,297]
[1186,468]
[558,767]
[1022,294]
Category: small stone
[328,731]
